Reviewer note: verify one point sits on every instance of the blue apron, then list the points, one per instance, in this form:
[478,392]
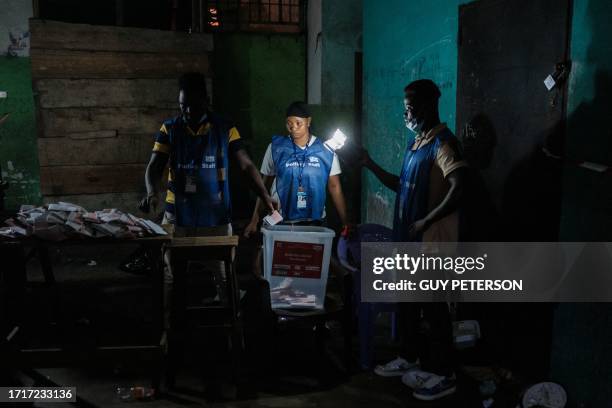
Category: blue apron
[313,165]
[201,160]
[411,201]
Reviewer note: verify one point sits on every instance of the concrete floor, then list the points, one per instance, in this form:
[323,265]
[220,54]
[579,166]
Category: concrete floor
[113,300]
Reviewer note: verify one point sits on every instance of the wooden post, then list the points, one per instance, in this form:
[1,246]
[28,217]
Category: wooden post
[35,9]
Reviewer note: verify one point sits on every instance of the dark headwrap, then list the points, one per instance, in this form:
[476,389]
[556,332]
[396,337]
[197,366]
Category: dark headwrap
[299,109]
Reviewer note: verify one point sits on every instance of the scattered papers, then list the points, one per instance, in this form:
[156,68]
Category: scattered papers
[61,220]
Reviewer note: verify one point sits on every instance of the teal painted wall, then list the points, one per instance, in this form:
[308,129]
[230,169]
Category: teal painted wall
[587,203]
[18,137]
[402,41]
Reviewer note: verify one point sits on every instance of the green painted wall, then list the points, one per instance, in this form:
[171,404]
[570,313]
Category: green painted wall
[340,39]
[256,76]
[18,144]
[402,41]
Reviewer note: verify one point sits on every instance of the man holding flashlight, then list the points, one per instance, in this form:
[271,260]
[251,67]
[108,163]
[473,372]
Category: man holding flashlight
[429,190]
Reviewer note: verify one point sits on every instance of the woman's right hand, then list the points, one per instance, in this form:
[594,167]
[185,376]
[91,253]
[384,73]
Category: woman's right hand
[250,228]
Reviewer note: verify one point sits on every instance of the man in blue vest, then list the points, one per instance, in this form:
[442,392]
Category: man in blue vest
[197,145]
[429,190]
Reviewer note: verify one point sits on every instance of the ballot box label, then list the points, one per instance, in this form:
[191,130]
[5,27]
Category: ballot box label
[297,259]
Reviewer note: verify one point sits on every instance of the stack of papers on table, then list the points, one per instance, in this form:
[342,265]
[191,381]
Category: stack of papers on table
[61,220]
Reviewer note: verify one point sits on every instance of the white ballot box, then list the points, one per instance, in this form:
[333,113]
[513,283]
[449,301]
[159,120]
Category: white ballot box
[296,265]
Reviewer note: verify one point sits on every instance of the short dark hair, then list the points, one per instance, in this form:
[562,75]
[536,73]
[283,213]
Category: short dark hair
[299,109]
[193,82]
[424,88]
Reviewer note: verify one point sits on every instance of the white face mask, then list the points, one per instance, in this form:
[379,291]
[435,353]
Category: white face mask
[414,125]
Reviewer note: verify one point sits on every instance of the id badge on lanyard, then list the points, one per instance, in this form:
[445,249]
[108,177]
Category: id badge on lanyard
[191,180]
[190,184]
[302,198]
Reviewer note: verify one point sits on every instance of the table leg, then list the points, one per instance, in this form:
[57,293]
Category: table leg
[45,264]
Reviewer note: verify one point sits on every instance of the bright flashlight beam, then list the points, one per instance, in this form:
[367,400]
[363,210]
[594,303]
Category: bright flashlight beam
[336,141]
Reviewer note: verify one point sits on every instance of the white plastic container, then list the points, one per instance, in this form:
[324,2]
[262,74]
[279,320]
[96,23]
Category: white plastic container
[296,265]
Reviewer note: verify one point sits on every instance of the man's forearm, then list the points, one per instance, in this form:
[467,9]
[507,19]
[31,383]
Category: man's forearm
[150,186]
[391,181]
[257,183]
[152,177]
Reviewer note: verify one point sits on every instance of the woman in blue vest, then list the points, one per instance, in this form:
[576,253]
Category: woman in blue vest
[298,169]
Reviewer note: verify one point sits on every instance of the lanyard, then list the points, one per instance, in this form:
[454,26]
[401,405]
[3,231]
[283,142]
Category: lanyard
[304,156]
[199,149]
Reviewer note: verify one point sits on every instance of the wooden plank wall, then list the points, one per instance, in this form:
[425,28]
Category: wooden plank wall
[101,94]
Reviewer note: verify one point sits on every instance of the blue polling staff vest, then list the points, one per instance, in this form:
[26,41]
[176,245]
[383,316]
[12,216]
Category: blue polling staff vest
[314,164]
[202,160]
[411,201]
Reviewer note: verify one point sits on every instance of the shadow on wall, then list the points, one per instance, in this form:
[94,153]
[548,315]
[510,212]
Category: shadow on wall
[479,217]
[531,196]
[525,350]
[531,200]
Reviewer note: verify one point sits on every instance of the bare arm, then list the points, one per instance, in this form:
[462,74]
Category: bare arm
[449,204]
[391,181]
[153,175]
[334,186]
[247,167]
[252,226]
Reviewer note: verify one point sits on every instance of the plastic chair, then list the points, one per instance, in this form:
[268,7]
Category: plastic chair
[349,255]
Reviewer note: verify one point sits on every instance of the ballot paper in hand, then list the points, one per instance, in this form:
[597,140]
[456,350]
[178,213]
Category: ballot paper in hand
[273,218]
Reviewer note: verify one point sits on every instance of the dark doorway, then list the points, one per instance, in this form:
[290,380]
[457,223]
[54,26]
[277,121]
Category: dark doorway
[504,111]
[512,129]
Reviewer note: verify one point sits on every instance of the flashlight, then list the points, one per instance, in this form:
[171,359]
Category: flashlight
[336,141]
